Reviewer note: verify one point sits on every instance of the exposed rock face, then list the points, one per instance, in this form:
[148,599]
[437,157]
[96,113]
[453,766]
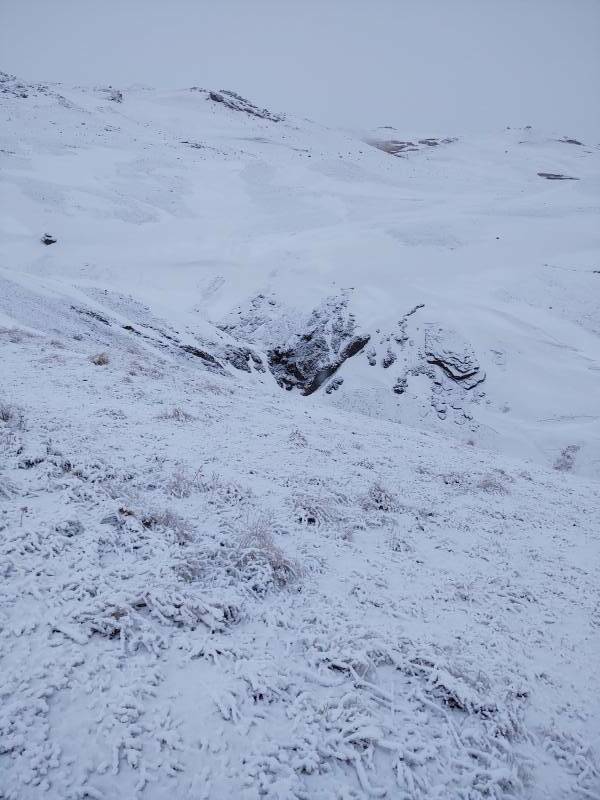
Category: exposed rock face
[242,357]
[263,321]
[302,351]
[456,358]
[556,176]
[314,356]
[310,363]
[397,147]
[9,84]
[569,140]
[238,103]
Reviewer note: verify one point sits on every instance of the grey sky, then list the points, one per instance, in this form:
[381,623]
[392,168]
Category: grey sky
[425,66]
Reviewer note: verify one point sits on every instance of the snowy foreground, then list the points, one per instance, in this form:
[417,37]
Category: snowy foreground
[380,583]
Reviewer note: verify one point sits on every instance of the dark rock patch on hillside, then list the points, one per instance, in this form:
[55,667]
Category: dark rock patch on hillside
[314,356]
[236,102]
[397,147]
[454,356]
[556,176]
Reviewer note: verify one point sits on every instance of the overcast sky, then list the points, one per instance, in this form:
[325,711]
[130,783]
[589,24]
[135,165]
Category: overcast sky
[426,66]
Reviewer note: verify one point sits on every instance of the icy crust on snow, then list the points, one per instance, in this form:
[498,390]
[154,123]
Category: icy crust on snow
[209,592]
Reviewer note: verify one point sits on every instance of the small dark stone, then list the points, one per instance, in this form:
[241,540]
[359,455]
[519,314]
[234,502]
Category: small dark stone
[48,239]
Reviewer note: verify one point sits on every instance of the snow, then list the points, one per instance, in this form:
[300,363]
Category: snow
[212,587]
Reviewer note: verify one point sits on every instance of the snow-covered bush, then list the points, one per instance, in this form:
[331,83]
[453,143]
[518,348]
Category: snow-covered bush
[177,415]
[168,520]
[223,492]
[182,482]
[379,498]
[495,482]
[566,460]
[100,359]
[12,416]
[261,564]
[14,335]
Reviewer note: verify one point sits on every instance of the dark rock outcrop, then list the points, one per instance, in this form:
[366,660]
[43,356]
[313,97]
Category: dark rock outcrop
[236,102]
[310,362]
[309,359]
[556,176]
[454,356]
[397,147]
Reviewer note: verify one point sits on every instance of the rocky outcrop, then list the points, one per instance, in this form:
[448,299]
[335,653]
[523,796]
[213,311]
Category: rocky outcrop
[310,361]
[398,147]
[556,176]
[236,102]
[242,358]
[302,351]
[447,350]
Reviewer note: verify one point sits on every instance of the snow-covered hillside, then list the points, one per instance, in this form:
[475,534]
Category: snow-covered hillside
[213,213]
[299,455]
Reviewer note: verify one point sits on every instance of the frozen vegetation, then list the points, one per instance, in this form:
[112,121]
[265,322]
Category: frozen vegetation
[299,455]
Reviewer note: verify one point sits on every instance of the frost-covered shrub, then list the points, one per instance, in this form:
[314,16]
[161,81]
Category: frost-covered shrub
[241,555]
[224,492]
[456,479]
[147,370]
[491,484]
[495,482]
[177,415]
[566,461]
[379,498]
[310,510]
[12,416]
[168,520]
[401,542]
[100,359]
[14,335]
[261,564]
[297,438]
[182,483]
[141,619]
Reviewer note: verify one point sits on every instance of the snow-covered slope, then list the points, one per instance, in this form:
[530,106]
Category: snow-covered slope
[299,447]
[207,212]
